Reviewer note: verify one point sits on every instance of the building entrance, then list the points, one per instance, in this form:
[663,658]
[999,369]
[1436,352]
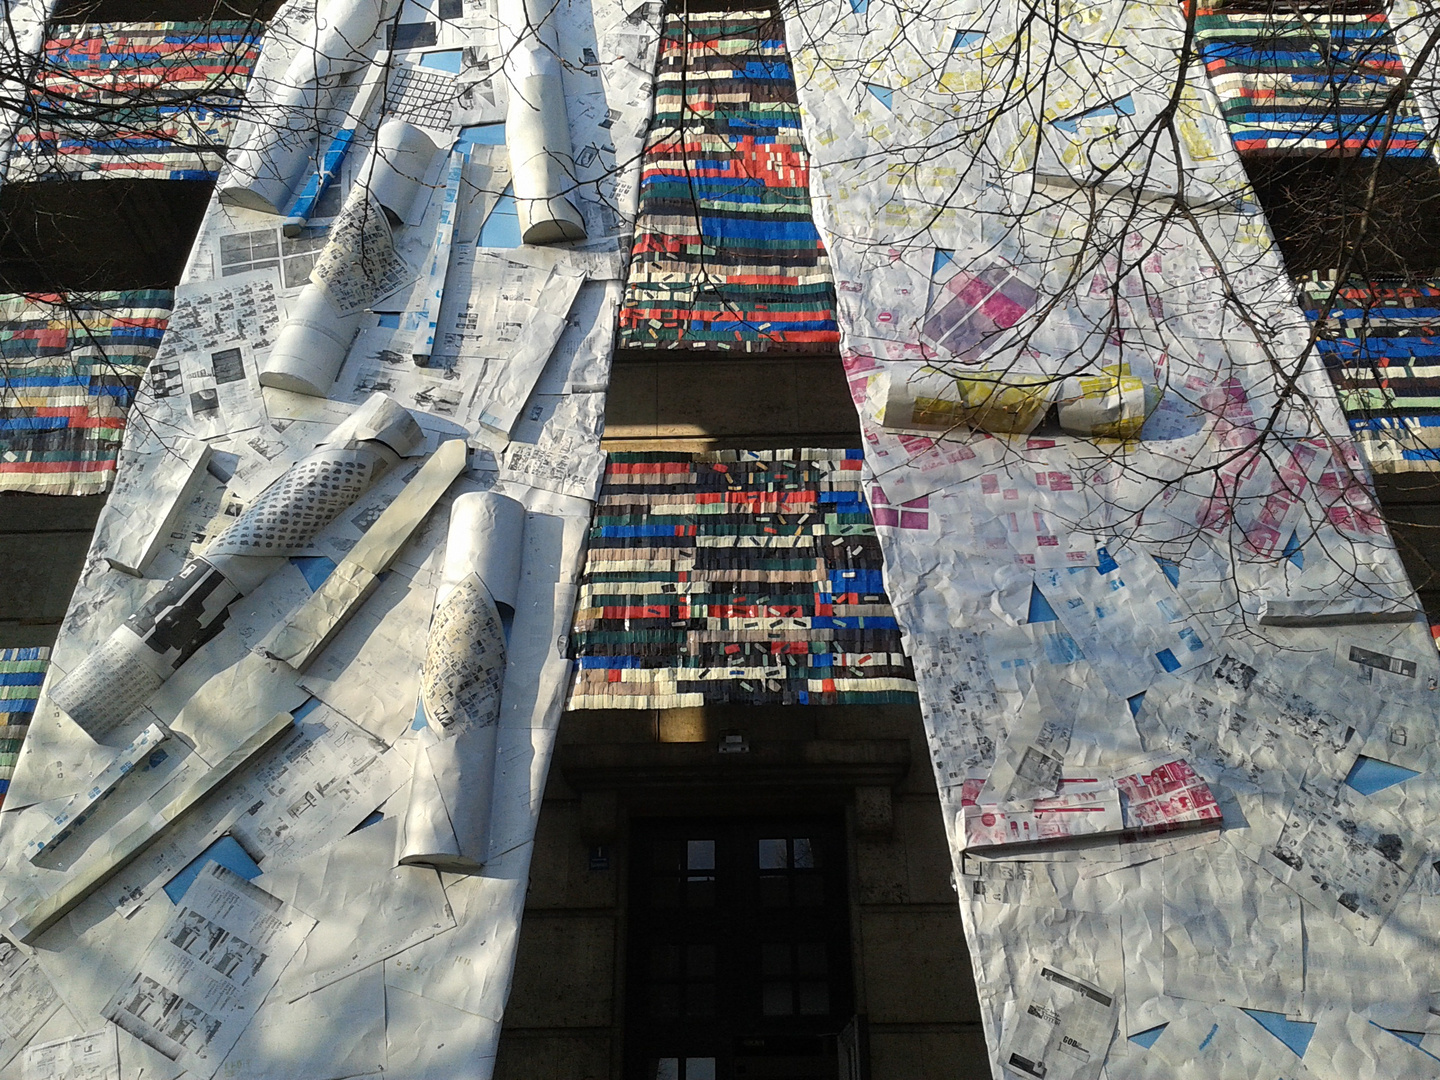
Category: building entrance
[739,949]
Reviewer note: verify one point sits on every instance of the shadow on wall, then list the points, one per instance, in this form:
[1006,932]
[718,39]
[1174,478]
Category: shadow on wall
[91,235]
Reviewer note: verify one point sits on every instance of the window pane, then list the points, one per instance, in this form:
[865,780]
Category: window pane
[777,999]
[804,853]
[665,962]
[774,855]
[667,1069]
[699,1069]
[775,959]
[812,958]
[809,890]
[814,999]
[700,962]
[700,854]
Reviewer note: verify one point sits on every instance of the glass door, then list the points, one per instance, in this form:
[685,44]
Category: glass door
[739,949]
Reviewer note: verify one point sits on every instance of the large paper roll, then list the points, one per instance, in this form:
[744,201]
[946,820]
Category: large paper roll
[485,535]
[998,401]
[447,821]
[191,608]
[311,346]
[276,155]
[1108,404]
[537,129]
[358,265]
[396,170]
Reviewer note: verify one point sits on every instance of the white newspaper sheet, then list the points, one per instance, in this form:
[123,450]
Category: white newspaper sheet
[1029,763]
[365,913]
[1232,934]
[204,976]
[92,1056]
[314,787]
[27,1000]
[1351,860]
[204,381]
[1060,1028]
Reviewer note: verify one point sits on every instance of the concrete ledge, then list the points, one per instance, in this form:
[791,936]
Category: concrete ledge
[817,763]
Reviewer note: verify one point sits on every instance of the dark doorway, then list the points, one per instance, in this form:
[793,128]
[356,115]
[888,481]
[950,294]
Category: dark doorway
[739,949]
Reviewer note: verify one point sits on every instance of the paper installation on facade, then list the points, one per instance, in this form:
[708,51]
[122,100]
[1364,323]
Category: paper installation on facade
[726,254]
[334,580]
[135,100]
[1164,649]
[1132,572]
[71,365]
[21,673]
[1314,77]
[1378,338]
[735,578]
[1166,654]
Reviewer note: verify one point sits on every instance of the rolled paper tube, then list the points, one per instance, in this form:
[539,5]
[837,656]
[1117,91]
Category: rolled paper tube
[317,333]
[132,541]
[372,89]
[485,540]
[379,419]
[275,155]
[190,609]
[447,821]
[311,345]
[1113,404]
[537,129]
[1006,404]
[307,630]
[1000,402]
[396,170]
[28,919]
[143,652]
[77,809]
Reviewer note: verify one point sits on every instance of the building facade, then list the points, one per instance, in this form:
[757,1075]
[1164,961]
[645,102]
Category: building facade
[931,409]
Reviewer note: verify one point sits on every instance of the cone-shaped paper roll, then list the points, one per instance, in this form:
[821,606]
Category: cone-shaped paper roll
[426,835]
[447,821]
